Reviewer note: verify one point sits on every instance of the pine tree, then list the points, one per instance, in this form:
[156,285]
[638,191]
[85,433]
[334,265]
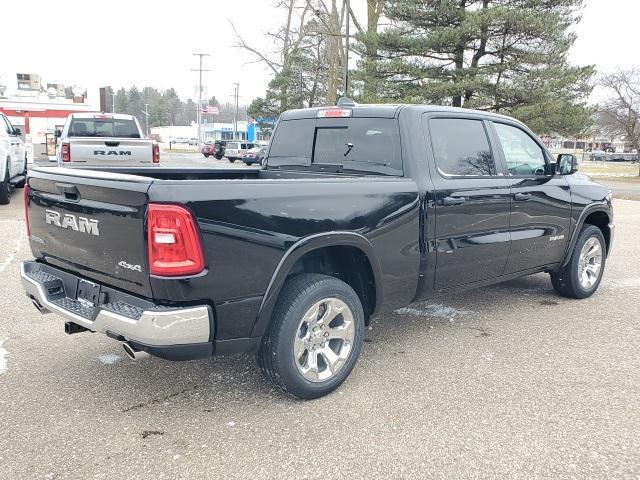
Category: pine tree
[506,56]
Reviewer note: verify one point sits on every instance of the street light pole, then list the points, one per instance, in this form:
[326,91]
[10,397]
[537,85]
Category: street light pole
[199,109]
[146,117]
[236,92]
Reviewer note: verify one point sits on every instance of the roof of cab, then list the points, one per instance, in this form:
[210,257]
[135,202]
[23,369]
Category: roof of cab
[116,116]
[386,111]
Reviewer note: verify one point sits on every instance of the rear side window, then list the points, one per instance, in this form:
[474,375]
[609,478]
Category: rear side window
[100,127]
[461,147]
[357,144]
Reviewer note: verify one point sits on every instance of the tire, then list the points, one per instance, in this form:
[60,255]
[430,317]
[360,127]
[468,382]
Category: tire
[232,160]
[5,188]
[205,155]
[575,280]
[290,342]
[248,164]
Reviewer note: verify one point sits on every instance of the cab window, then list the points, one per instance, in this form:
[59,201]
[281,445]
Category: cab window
[461,147]
[522,154]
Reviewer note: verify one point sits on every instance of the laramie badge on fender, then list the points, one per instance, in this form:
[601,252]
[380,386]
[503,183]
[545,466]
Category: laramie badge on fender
[79,224]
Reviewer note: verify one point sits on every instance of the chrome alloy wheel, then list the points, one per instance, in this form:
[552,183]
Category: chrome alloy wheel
[590,263]
[324,339]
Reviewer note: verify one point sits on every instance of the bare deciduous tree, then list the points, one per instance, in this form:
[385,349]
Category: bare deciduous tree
[619,115]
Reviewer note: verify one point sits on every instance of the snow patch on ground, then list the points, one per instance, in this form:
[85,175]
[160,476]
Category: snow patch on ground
[109,358]
[432,310]
[3,357]
[7,261]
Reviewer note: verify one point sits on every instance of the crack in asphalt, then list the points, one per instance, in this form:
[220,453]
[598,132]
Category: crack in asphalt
[155,401]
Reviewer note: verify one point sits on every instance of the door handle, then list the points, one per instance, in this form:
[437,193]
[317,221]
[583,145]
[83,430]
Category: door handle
[448,201]
[522,196]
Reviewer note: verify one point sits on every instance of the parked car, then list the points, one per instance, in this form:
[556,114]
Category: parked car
[13,159]
[235,150]
[193,141]
[213,148]
[115,140]
[207,149]
[358,210]
[254,155]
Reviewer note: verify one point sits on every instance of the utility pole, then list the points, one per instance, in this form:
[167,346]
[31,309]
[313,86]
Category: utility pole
[146,117]
[199,110]
[236,92]
[345,80]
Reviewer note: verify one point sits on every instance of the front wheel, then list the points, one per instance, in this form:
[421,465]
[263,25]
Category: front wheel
[581,276]
[5,188]
[232,160]
[206,155]
[315,336]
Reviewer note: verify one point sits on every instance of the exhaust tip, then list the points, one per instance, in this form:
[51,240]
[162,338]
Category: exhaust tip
[133,353]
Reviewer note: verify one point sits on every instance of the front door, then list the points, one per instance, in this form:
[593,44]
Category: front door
[540,200]
[472,202]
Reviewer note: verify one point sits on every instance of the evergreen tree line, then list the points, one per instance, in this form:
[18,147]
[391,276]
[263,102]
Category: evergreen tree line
[165,107]
[506,56]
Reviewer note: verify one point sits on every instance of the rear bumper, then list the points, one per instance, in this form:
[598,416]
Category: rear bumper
[172,333]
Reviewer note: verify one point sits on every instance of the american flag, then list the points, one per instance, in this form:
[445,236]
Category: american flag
[211,109]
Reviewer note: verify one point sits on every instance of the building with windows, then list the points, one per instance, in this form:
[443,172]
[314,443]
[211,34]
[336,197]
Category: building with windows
[249,131]
[38,108]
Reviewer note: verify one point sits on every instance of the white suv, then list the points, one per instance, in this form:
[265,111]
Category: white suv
[13,159]
[235,150]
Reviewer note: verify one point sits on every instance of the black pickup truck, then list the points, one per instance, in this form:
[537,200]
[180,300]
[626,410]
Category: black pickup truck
[357,211]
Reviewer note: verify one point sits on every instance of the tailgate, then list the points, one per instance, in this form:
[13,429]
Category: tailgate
[91,223]
[115,151]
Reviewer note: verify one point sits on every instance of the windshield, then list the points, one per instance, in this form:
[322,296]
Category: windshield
[101,127]
[353,144]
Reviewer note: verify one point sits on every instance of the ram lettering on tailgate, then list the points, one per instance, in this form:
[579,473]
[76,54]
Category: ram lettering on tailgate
[112,152]
[78,224]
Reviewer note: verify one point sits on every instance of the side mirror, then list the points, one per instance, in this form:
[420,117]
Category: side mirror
[17,132]
[567,164]
[58,133]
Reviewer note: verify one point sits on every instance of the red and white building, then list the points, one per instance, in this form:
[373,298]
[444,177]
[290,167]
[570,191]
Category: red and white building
[39,108]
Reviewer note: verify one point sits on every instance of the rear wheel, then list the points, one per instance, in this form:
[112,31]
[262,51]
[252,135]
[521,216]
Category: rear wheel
[315,336]
[581,277]
[232,160]
[5,187]
[206,155]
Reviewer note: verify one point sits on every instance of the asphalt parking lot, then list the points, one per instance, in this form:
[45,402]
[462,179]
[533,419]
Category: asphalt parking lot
[509,381]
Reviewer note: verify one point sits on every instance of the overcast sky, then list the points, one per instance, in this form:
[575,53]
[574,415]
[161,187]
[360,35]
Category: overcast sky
[151,43]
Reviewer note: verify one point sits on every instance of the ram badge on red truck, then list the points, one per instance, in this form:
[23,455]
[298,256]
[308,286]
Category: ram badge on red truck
[357,211]
[104,140]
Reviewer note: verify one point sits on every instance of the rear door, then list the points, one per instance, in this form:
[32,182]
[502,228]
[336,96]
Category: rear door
[13,147]
[540,200]
[472,201]
[92,223]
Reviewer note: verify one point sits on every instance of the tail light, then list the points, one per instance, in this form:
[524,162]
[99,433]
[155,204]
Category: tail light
[173,241]
[26,208]
[156,153]
[66,152]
